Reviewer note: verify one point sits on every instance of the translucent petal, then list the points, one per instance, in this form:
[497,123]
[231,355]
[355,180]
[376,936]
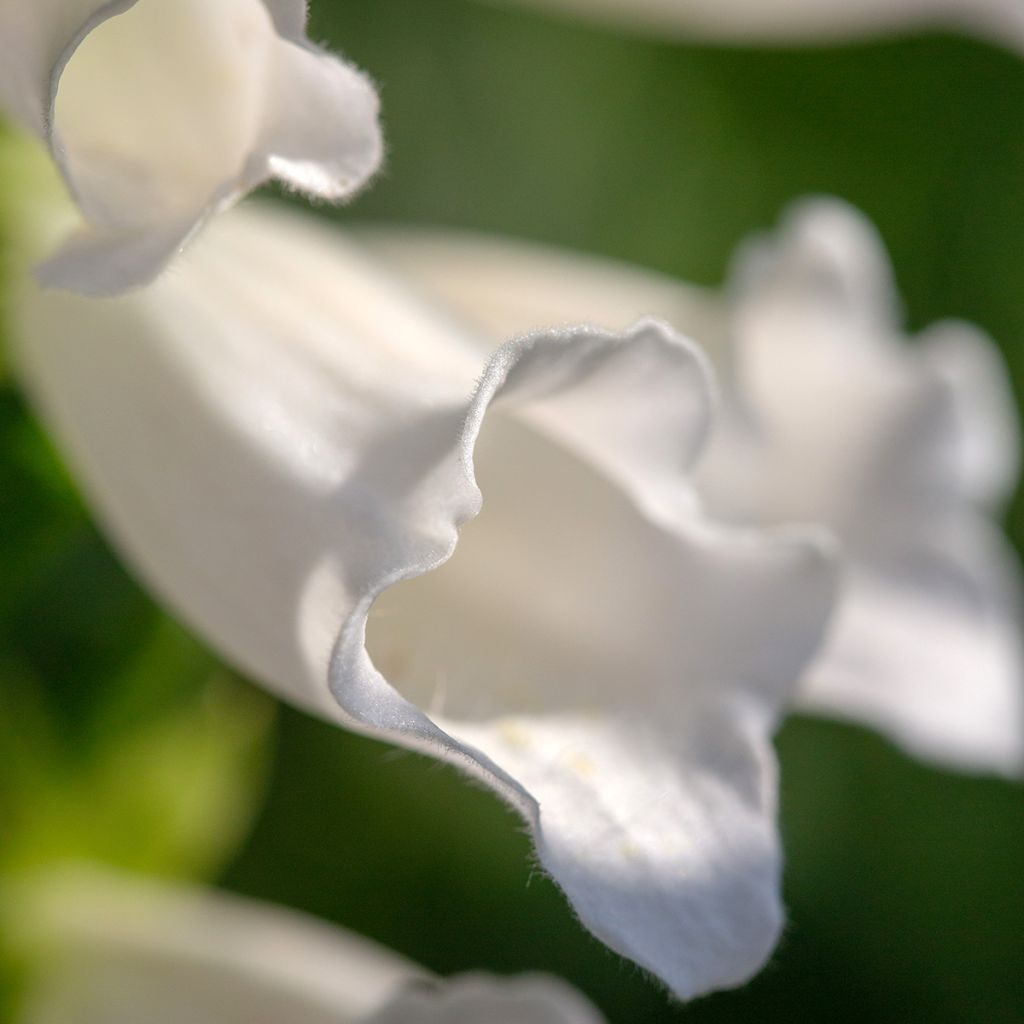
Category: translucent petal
[828,416]
[277,457]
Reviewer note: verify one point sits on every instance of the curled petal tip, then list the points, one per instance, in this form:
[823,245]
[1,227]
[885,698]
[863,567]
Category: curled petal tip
[199,104]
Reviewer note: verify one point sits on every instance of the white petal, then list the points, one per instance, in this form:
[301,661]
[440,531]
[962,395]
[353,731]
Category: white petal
[800,21]
[211,413]
[275,456]
[481,999]
[829,416]
[506,287]
[160,114]
[900,450]
[987,440]
[828,262]
[116,950]
[621,663]
[928,650]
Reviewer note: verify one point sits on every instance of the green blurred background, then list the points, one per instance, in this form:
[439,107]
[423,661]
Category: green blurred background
[122,739]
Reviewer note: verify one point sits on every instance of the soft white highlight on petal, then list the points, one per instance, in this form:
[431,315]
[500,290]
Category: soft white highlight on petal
[1000,22]
[119,951]
[482,999]
[903,450]
[160,114]
[280,433]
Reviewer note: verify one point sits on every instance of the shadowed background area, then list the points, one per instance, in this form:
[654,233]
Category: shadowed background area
[903,883]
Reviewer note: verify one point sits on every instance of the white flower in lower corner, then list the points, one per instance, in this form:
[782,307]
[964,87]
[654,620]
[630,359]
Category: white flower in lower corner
[1000,22]
[903,450]
[496,559]
[111,949]
[159,114]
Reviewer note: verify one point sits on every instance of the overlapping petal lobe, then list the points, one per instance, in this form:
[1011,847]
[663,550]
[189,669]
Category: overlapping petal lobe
[928,652]
[800,21]
[224,429]
[320,131]
[829,416]
[637,719]
[277,460]
[620,660]
[901,450]
[475,998]
[161,114]
[119,950]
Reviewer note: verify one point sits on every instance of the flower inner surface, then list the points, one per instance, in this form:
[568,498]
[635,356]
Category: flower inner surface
[150,130]
[561,596]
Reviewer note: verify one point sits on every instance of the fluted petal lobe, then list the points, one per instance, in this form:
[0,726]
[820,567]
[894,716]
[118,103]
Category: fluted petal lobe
[160,114]
[903,450]
[496,557]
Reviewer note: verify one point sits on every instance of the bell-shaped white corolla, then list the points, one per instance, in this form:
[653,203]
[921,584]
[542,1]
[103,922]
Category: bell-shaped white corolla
[496,559]
[1000,22]
[160,113]
[109,949]
[902,450]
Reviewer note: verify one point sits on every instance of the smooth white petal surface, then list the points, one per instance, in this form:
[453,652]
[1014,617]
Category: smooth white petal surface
[481,999]
[115,950]
[902,450]
[280,434]
[159,114]
[801,21]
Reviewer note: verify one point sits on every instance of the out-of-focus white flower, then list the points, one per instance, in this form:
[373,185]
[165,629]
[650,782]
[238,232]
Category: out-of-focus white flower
[293,450]
[478,998]
[159,114]
[801,21]
[902,450]
[114,950]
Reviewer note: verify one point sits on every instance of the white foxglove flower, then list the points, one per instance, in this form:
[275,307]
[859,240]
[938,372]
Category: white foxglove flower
[830,416]
[279,434]
[114,950]
[801,21]
[160,113]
